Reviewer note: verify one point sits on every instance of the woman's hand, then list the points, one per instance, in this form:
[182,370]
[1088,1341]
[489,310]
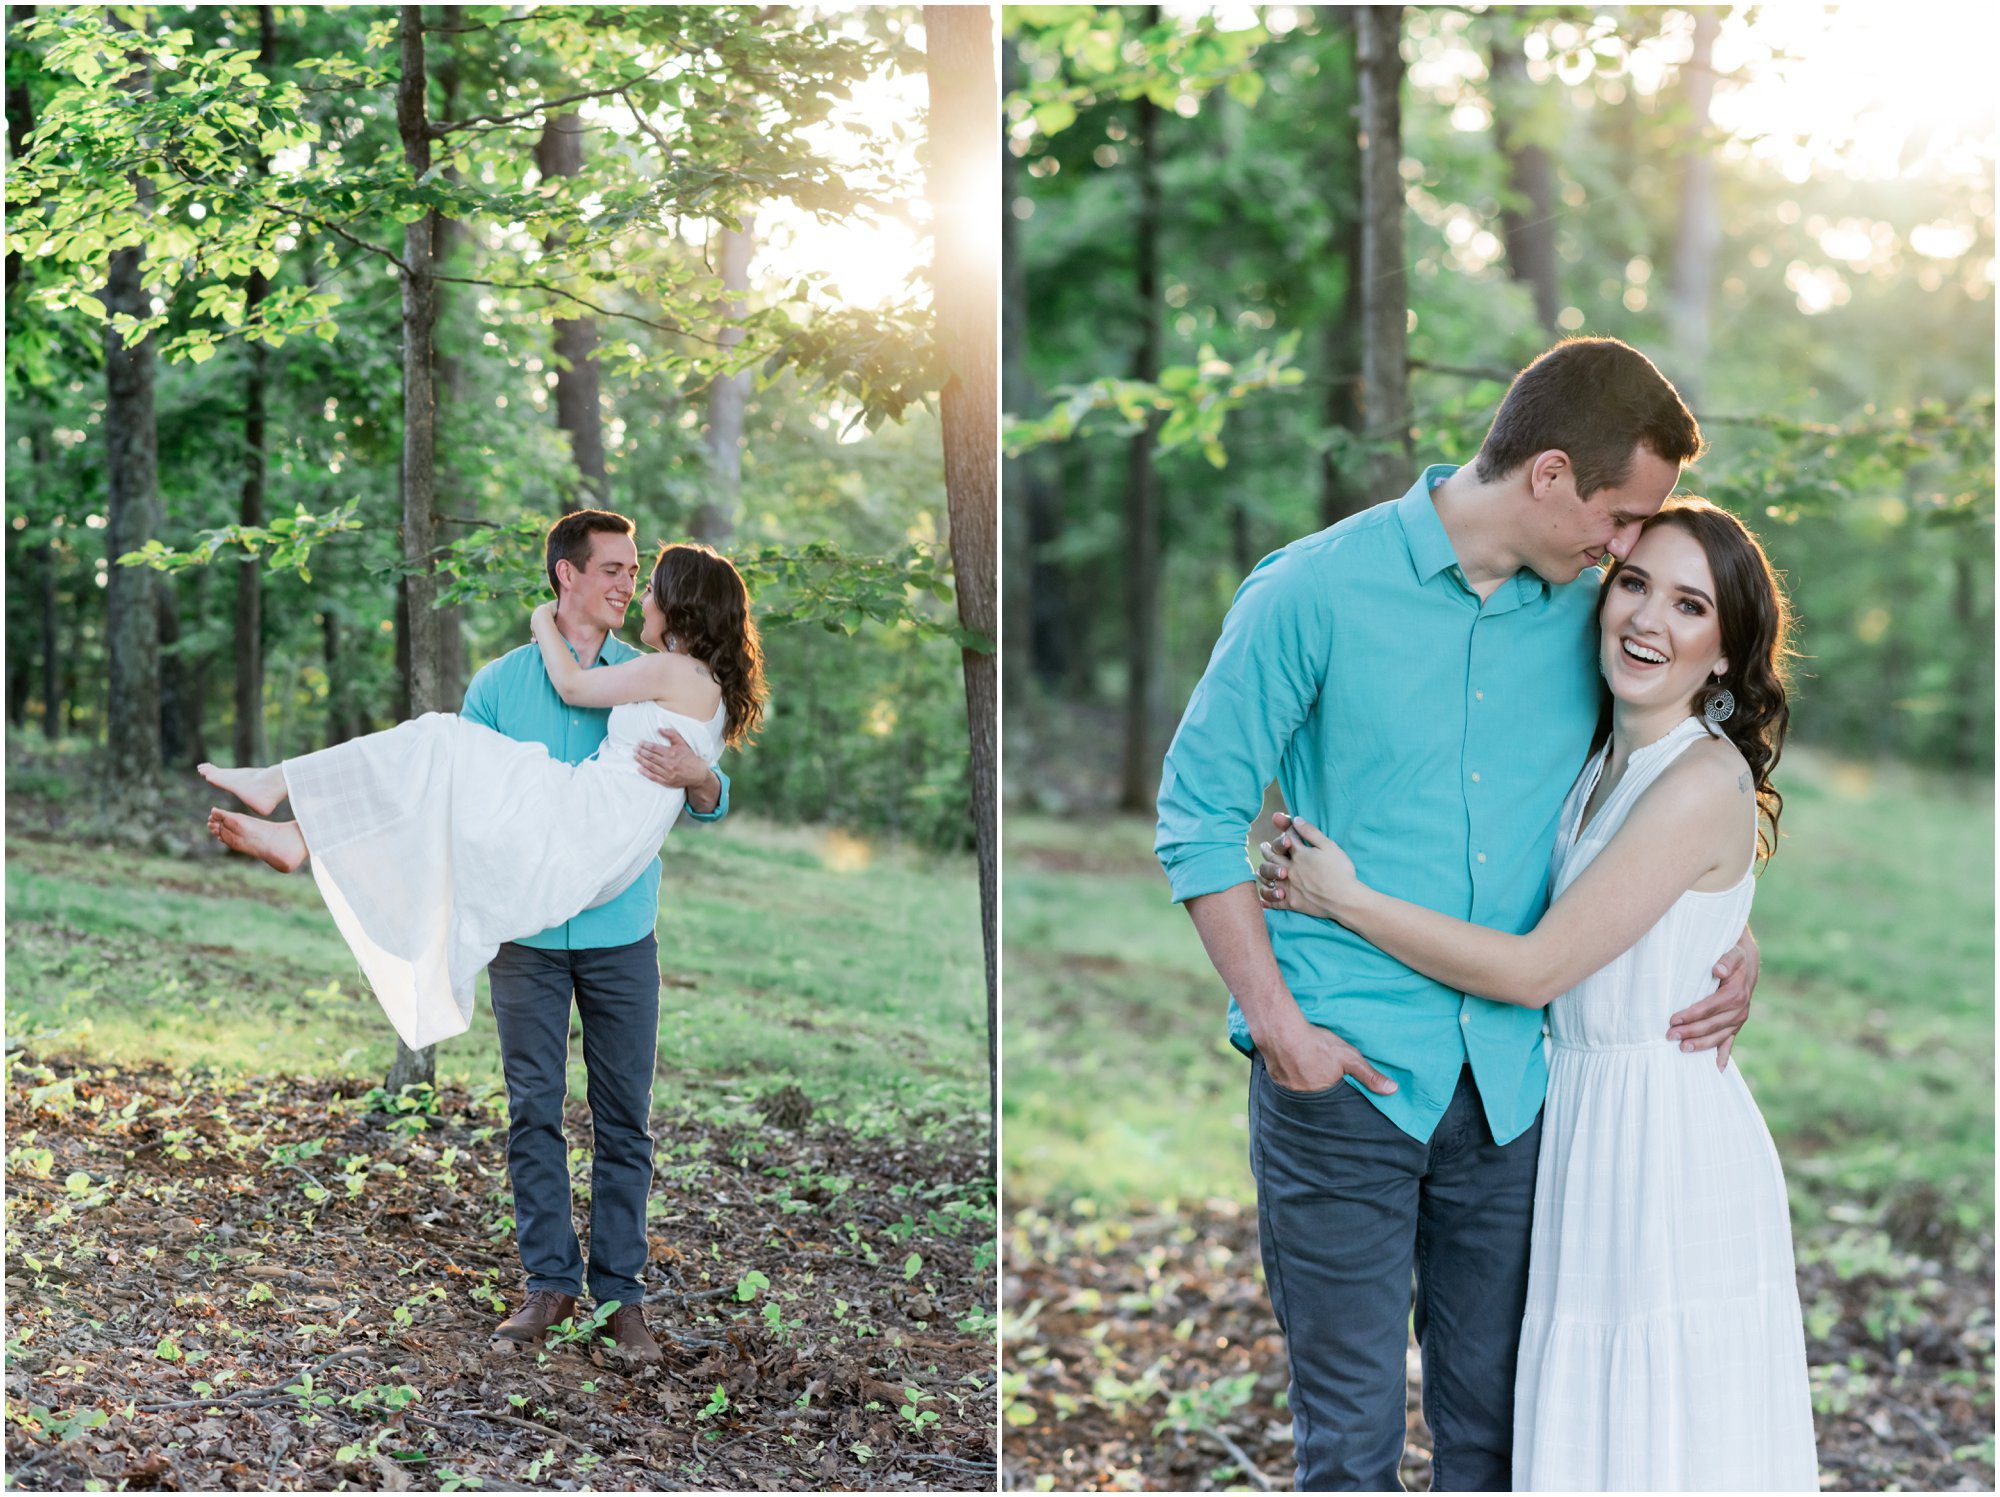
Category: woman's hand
[1306,872]
[544,614]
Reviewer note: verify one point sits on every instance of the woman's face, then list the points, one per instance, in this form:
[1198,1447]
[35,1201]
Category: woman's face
[1659,637]
[651,619]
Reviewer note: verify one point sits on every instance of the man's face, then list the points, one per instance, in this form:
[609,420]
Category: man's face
[1574,533]
[599,592]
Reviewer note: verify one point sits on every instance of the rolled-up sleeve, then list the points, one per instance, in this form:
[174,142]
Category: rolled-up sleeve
[721,804]
[1261,682]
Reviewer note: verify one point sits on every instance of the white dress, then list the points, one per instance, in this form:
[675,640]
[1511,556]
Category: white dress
[1662,1348]
[438,840]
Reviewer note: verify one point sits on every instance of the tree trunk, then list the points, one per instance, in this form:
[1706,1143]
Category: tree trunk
[964,128]
[559,153]
[448,394]
[1528,216]
[1385,367]
[728,396]
[247,739]
[1972,742]
[198,673]
[423,682]
[52,686]
[1343,492]
[1139,778]
[339,704]
[174,695]
[1018,397]
[1700,230]
[131,618]
[20,124]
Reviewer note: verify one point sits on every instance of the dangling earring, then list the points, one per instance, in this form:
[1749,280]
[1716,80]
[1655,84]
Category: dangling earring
[1718,702]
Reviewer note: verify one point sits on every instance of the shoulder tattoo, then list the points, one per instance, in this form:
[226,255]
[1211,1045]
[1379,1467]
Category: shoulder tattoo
[1743,782]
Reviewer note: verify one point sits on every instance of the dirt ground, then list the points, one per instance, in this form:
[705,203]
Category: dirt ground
[278,1284]
[1142,1355]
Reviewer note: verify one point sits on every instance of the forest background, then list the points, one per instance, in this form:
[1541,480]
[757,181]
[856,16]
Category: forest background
[316,318]
[1263,264]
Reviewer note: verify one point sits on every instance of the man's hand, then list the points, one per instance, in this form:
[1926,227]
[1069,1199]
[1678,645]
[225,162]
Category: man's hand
[671,763]
[1312,1059]
[1712,1024]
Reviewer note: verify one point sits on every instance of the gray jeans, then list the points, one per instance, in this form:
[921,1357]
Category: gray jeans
[1349,1209]
[617,994]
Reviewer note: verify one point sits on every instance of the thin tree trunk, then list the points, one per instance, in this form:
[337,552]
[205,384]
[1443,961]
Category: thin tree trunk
[198,675]
[174,703]
[448,393]
[1528,215]
[1385,369]
[559,153]
[1700,230]
[1055,626]
[52,674]
[965,123]
[247,738]
[1139,776]
[339,707]
[20,125]
[1974,668]
[728,395]
[131,618]
[419,467]
[1019,398]
[1340,494]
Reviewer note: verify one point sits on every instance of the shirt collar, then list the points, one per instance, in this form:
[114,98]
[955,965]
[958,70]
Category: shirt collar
[1430,547]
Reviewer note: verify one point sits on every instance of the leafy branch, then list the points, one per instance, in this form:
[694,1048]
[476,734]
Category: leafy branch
[1196,399]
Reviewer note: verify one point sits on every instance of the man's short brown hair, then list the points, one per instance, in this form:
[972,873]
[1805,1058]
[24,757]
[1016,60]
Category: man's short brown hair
[569,539]
[1596,399]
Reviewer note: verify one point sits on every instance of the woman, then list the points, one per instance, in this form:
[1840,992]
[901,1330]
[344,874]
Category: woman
[1662,1347]
[437,841]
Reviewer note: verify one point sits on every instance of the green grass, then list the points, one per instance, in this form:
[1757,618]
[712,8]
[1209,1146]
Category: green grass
[1870,1046]
[853,970]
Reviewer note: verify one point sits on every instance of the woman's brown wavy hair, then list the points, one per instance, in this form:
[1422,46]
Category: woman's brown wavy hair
[1756,622]
[707,613]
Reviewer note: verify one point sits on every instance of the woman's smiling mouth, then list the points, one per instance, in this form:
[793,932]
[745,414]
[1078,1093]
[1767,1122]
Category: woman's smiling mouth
[1642,654]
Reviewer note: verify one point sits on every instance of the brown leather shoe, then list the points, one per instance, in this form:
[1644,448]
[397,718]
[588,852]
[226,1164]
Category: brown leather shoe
[634,1343]
[529,1324]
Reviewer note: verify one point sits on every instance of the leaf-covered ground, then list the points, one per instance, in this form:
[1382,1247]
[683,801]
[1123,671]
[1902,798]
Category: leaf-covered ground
[289,1283]
[1141,1354]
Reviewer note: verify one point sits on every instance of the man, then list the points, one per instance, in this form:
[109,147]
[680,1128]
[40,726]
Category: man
[606,959]
[1421,680]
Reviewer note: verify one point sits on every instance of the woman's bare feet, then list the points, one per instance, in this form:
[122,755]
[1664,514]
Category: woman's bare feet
[260,789]
[278,843]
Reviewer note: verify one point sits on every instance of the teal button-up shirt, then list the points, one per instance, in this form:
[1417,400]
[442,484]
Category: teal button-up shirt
[1434,737]
[514,695]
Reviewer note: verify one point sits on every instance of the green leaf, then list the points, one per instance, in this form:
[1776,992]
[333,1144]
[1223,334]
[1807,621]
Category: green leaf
[1055,116]
[913,1265]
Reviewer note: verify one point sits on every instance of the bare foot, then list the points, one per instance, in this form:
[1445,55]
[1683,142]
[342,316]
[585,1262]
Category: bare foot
[260,789]
[275,842]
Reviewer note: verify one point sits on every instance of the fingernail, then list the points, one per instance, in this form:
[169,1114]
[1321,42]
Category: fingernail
[1686,1045]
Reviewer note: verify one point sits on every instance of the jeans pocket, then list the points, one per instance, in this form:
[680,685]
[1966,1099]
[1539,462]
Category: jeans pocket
[1324,1094]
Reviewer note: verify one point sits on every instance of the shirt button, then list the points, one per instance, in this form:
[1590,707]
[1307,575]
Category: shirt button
[1465,1018]
[1482,857]
[1475,777]
[1479,696]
